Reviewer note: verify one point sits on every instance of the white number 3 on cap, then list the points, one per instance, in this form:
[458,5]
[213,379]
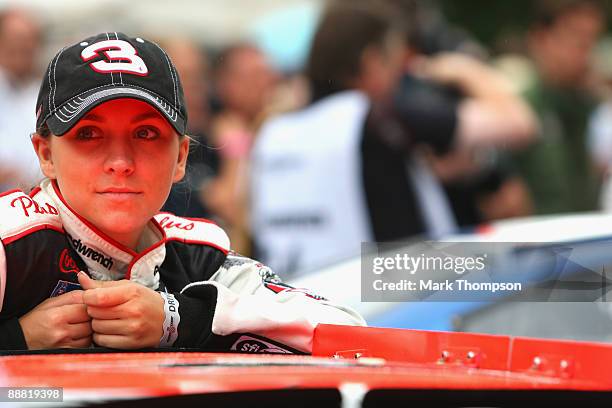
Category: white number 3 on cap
[121,57]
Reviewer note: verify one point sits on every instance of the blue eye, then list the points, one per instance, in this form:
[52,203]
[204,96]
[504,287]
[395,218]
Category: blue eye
[88,133]
[146,132]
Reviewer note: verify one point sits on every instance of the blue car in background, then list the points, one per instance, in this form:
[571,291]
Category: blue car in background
[576,250]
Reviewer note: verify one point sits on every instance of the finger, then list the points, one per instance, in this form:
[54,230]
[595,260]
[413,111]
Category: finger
[84,342]
[105,297]
[117,327]
[74,297]
[80,330]
[74,314]
[114,341]
[106,313]
[87,283]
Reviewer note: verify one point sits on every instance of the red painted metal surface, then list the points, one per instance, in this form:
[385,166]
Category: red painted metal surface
[576,365]
[375,358]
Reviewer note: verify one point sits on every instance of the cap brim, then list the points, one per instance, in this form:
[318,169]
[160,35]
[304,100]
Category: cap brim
[64,118]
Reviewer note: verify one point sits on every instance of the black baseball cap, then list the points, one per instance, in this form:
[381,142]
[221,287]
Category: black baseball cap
[104,67]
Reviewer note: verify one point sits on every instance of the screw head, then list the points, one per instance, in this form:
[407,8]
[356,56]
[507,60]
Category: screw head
[444,356]
[537,362]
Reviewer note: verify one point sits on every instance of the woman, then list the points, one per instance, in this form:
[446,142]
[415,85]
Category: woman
[111,141]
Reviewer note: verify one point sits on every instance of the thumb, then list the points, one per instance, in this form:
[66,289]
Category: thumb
[87,283]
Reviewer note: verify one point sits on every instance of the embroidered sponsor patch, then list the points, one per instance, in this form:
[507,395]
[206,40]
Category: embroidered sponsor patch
[64,287]
[67,264]
[166,223]
[83,249]
[248,344]
[30,207]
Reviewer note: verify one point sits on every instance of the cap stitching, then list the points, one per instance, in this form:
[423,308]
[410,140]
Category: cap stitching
[50,83]
[65,111]
[111,72]
[178,101]
[120,74]
[109,85]
[174,87]
[172,112]
[54,86]
[173,79]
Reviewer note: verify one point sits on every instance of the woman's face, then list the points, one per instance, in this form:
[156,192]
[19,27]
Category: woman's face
[115,167]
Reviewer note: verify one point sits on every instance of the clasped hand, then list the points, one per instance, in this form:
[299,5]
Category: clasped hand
[116,314]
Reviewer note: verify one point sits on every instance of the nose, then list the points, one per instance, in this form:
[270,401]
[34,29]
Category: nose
[120,159]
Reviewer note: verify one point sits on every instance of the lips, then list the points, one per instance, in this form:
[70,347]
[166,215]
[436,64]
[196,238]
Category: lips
[118,190]
[119,193]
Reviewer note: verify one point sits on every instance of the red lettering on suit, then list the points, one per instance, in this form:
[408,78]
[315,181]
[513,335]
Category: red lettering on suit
[27,205]
[165,223]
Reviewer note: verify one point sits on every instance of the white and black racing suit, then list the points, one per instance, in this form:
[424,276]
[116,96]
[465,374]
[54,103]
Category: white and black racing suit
[226,301]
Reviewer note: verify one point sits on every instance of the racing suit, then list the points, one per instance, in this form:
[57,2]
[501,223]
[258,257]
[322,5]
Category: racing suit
[225,301]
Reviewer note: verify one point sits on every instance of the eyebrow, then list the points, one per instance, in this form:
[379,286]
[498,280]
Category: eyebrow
[143,116]
[146,115]
[95,118]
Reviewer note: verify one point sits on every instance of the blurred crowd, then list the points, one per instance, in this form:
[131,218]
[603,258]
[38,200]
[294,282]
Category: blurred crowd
[398,125]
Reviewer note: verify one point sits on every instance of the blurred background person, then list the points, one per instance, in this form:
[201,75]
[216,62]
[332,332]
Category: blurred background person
[349,168]
[244,83]
[560,172]
[306,194]
[479,185]
[187,198]
[600,122]
[446,78]
[20,47]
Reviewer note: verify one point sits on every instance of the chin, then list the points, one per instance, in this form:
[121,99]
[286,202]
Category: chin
[121,223]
